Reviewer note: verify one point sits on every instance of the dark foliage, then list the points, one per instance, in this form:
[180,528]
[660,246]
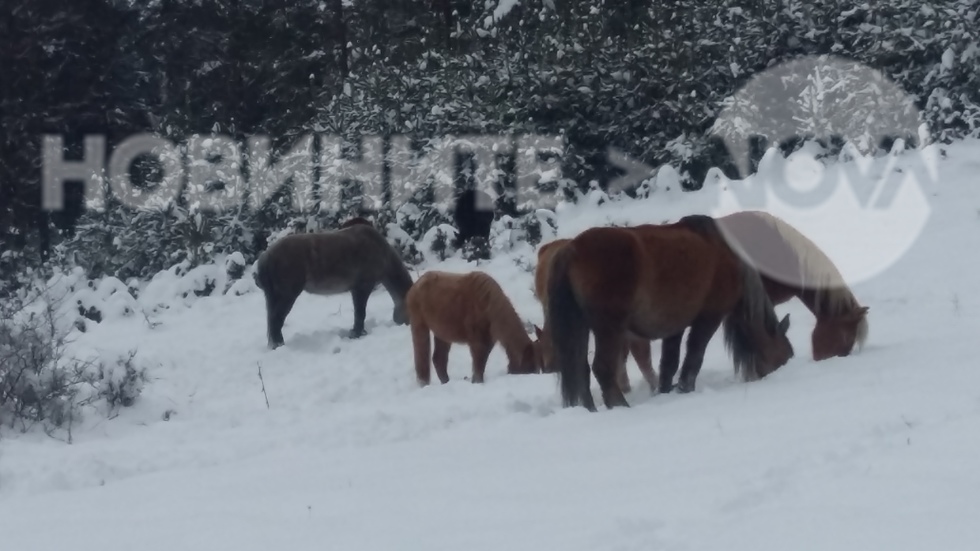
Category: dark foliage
[648,77]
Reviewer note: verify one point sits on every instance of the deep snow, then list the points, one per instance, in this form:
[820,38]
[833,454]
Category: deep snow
[880,450]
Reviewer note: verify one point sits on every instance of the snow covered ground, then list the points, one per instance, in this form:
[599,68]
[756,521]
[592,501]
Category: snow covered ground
[880,450]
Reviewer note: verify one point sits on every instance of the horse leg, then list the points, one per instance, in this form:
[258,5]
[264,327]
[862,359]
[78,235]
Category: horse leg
[641,351]
[480,350]
[670,358]
[697,341]
[609,347]
[440,359]
[360,295]
[420,342]
[622,375]
[276,310]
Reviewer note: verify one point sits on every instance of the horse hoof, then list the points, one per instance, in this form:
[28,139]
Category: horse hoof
[614,400]
[685,389]
[355,334]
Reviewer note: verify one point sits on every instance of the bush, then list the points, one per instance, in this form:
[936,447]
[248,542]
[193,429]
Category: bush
[42,384]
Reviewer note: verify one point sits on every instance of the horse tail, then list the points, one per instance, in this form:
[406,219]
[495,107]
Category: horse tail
[569,333]
[753,309]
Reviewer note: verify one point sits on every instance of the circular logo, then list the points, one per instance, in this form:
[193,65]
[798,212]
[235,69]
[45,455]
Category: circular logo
[863,211]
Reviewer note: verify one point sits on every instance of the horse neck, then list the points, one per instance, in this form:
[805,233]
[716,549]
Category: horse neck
[820,303]
[824,303]
[811,299]
[397,280]
[507,329]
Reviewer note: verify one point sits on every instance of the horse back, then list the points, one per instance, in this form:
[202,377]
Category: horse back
[454,306]
[328,262]
[654,278]
[688,266]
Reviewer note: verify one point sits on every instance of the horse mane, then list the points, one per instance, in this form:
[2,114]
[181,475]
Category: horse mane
[754,306]
[702,224]
[399,278]
[820,275]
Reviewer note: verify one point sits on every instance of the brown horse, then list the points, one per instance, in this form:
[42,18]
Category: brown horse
[791,266]
[637,347]
[354,259]
[654,281]
[466,308]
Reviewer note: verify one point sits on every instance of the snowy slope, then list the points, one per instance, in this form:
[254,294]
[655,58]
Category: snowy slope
[880,450]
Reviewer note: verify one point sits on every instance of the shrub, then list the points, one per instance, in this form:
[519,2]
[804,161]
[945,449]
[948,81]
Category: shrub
[42,384]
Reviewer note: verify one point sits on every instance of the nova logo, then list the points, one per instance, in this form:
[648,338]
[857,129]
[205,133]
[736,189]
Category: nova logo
[866,209]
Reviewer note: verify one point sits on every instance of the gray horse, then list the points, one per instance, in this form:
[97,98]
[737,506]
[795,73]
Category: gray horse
[353,259]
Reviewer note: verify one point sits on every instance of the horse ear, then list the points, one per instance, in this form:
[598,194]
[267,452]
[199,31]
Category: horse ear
[858,314]
[784,324]
[538,332]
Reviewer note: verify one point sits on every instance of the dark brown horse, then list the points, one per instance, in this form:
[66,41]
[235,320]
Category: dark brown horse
[655,281]
[470,309]
[354,259]
[637,347]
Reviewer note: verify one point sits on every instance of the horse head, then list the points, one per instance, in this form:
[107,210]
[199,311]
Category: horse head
[526,363]
[837,335]
[400,313]
[543,356]
[528,359]
[776,350]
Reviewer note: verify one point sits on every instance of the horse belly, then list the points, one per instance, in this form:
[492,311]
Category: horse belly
[328,286]
[657,328]
[658,319]
[449,330]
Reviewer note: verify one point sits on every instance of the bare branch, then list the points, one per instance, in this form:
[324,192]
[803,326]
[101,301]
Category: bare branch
[261,380]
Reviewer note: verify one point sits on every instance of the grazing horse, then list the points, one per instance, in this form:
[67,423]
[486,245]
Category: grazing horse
[654,281]
[637,347]
[466,308]
[472,221]
[791,265]
[354,259]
